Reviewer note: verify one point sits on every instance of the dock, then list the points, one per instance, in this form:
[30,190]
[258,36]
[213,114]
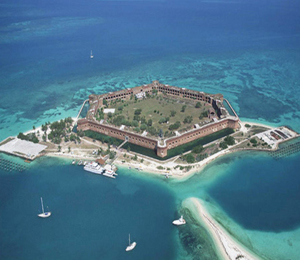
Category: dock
[22,148]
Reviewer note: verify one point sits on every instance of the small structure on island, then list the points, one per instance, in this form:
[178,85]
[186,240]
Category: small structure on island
[22,148]
[101,161]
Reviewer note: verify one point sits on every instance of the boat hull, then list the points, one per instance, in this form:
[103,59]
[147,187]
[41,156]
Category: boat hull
[44,215]
[131,247]
[92,170]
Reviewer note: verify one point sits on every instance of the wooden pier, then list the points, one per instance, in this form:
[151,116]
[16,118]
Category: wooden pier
[10,166]
[286,151]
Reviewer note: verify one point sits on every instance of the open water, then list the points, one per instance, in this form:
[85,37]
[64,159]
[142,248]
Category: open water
[246,50]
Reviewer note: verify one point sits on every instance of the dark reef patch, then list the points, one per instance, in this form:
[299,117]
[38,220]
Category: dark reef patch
[255,105]
[195,239]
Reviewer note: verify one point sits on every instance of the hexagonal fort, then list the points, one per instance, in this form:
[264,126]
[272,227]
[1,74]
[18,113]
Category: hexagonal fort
[157,116]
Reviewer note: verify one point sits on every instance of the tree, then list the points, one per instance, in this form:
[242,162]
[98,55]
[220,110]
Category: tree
[143,127]
[138,111]
[198,105]
[59,148]
[198,149]
[173,113]
[33,127]
[183,108]
[69,149]
[188,119]
[161,133]
[229,140]
[149,123]
[223,145]
[189,158]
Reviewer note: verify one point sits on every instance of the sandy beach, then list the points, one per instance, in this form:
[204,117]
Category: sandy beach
[227,247]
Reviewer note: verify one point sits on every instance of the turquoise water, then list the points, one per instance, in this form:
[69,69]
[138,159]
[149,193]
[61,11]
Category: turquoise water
[246,50]
[91,216]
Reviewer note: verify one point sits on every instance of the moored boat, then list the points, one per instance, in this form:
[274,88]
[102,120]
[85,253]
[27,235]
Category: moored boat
[131,246]
[44,214]
[107,170]
[179,221]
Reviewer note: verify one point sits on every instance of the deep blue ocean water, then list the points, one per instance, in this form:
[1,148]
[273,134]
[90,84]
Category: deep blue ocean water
[247,50]
[91,216]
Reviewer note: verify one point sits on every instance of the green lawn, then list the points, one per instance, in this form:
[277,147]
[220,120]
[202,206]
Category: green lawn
[158,107]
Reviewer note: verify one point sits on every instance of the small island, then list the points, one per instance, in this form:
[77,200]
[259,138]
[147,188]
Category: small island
[157,129]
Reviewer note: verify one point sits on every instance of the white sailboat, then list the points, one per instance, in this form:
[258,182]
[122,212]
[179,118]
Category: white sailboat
[91,56]
[130,246]
[44,214]
[179,222]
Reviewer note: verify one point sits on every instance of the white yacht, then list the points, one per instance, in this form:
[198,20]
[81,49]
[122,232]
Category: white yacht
[94,168]
[91,56]
[107,170]
[131,246]
[179,222]
[44,214]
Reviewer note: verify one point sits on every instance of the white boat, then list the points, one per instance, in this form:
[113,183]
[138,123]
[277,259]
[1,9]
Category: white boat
[94,168]
[91,56]
[73,162]
[179,222]
[107,170]
[44,214]
[131,246]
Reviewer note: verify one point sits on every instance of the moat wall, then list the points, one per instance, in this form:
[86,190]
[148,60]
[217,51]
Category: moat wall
[162,148]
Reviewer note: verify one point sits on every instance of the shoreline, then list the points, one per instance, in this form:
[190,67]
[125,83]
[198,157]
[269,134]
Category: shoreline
[227,246]
[151,165]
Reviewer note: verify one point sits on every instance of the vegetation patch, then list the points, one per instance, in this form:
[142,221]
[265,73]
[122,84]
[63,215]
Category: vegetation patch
[103,138]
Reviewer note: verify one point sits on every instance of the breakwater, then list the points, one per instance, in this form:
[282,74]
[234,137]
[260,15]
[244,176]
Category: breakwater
[10,166]
[286,151]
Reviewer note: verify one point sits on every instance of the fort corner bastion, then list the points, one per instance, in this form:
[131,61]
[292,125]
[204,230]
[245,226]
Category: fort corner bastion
[217,117]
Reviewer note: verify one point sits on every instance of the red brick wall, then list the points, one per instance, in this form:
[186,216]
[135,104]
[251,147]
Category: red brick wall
[150,143]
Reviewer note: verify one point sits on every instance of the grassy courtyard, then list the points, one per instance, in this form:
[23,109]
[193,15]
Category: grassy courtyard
[156,114]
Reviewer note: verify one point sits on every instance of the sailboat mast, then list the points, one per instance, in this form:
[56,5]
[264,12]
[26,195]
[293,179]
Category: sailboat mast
[129,239]
[42,204]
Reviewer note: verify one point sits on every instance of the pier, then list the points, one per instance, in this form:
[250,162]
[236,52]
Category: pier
[10,166]
[231,108]
[77,117]
[286,151]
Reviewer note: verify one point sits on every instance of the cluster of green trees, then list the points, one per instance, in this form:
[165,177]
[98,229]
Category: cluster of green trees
[58,130]
[172,113]
[174,126]
[29,137]
[228,140]
[163,120]
[203,114]
[198,149]
[195,155]
[198,105]
[188,120]
[61,129]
